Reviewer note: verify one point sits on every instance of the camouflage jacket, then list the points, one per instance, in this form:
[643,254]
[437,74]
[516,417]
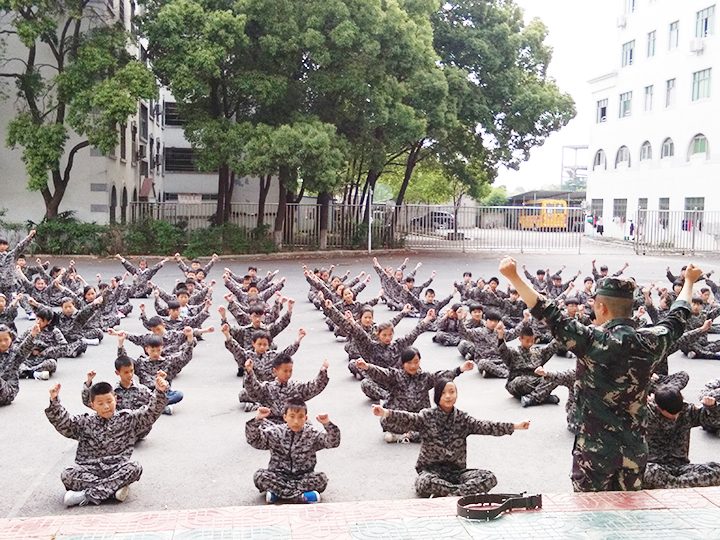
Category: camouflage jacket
[50,341]
[443,435]
[134,397]
[172,364]
[105,441]
[614,365]
[374,352]
[262,362]
[181,322]
[486,340]
[11,359]
[669,438]
[243,334]
[291,453]
[274,394]
[521,361]
[408,392]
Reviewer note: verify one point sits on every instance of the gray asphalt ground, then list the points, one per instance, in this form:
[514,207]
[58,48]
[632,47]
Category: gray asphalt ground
[198,457]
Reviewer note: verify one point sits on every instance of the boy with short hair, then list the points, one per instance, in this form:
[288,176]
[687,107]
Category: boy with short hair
[423,306]
[670,420]
[141,275]
[260,354]
[195,264]
[174,320]
[522,381]
[274,394]
[8,260]
[105,443]
[448,334]
[291,473]
[173,340]
[147,365]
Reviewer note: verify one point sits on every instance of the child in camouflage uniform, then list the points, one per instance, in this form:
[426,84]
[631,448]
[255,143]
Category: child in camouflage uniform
[105,438]
[442,463]
[291,473]
[670,420]
[408,387]
[12,354]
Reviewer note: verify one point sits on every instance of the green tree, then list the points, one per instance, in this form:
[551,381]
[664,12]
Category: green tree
[75,83]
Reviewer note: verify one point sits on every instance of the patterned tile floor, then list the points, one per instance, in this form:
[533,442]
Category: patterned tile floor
[656,515]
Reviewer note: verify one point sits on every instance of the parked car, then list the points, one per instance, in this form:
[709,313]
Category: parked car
[434,220]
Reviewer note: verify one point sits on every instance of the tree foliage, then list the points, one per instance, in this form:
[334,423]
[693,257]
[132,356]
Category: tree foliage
[75,83]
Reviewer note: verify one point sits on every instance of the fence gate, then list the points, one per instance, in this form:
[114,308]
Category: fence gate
[684,232]
[492,228]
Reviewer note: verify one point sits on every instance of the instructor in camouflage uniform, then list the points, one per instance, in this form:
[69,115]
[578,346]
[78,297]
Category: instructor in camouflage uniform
[615,361]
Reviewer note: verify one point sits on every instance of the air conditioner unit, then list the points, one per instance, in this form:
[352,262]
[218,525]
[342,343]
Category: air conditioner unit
[142,151]
[697,45]
[621,21]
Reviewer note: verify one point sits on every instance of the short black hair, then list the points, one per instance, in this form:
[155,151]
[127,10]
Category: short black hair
[295,404]
[252,284]
[252,268]
[409,279]
[256,309]
[195,261]
[527,331]
[21,256]
[475,307]
[153,341]
[540,272]
[496,280]
[173,304]
[683,268]
[87,289]
[697,300]
[67,299]
[438,389]
[123,361]
[260,334]
[384,326]
[3,241]
[430,291]
[45,313]
[603,267]
[572,301]
[154,321]
[588,278]
[408,354]
[39,278]
[191,281]
[704,290]
[281,359]
[469,274]
[55,270]
[492,316]
[182,290]
[100,389]
[367,309]
[669,399]
[456,306]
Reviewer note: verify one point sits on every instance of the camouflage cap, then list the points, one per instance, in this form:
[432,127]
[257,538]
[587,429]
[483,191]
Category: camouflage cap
[616,287]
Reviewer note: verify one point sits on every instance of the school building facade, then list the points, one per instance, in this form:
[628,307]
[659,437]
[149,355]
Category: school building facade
[655,138]
[153,161]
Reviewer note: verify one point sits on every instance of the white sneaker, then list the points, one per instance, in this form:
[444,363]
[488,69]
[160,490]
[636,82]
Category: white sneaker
[691,354]
[168,410]
[75,498]
[41,375]
[92,341]
[121,314]
[270,497]
[31,316]
[122,493]
[402,438]
[251,406]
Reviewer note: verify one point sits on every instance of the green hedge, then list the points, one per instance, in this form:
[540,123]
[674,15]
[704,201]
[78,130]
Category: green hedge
[149,237]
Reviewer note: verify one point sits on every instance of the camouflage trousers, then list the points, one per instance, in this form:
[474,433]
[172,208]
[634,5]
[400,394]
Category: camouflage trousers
[466,347]
[7,392]
[100,482]
[682,476]
[287,486]
[447,339]
[373,390]
[712,389]
[492,367]
[536,387]
[37,363]
[707,351]
[444,482]
[600,465]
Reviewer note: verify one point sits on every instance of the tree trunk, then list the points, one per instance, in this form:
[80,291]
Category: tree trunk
[412,161]
[372,178]
[223,181]
[282,206]
[324,203]
[264,190]
[228,197]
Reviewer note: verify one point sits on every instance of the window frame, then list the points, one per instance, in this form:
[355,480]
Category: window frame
[625,104]
[702,84]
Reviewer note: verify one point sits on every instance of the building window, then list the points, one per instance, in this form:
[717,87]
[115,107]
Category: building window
[694,208]
[171,114]
[629,6]
[596,206]
[625,104]
[668,149]
[646,151]
[601,115]
[651,44]
[705,22]
[180,160]
[620,209]
[664,207]
[699,145]
[648,98]
[670,93]
[642,210]
[123,141]
[600,161]
[623,157]
[143,122]
[701,84]
[628,49]
[674,35]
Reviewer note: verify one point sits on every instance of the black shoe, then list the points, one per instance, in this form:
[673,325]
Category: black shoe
[241,372]
[552,399]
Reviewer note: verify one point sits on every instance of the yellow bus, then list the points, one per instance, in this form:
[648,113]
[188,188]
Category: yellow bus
[544,214]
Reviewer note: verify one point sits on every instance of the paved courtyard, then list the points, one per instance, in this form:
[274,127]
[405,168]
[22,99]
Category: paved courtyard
[198,457]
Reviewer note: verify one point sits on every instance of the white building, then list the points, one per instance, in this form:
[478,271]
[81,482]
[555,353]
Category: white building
[655,139]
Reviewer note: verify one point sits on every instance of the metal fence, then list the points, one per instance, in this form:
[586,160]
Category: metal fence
[684,232]
[413,226]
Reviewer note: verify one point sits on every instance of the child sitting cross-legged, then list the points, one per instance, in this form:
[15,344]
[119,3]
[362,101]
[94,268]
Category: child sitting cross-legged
[129,395]
[408,387]
[291,473]
[105,438]
[274,394]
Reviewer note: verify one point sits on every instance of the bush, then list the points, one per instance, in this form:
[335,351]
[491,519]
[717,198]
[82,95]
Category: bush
[228,239]
[70,237]
[150,237]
